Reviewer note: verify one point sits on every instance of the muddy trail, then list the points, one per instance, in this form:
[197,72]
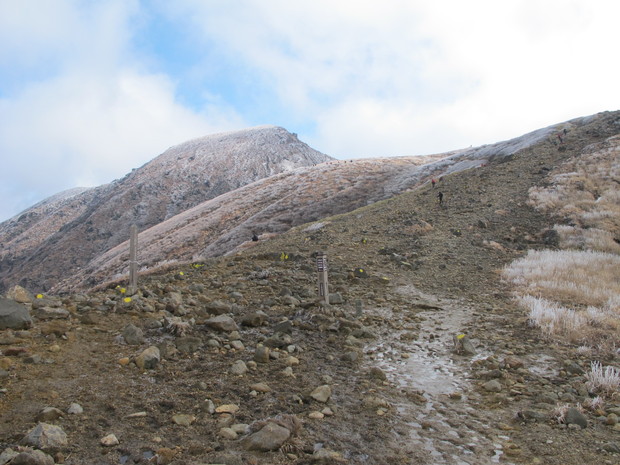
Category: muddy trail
[252,369]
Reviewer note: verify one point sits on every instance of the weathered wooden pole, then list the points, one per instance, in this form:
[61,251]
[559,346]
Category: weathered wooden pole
[321,268]
[133,262]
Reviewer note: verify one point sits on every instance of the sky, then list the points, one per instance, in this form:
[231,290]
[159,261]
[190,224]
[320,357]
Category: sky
[90,89]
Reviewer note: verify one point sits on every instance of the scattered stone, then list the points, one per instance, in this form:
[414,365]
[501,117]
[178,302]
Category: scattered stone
[335,298]
[239,368]
[322,393]
[148,359]
[227,408]
[133,335]
[188,344]
[278,340]
[217,307]
[254,319]
[20,295]
[261,387]
[575,417]
[14,315]
[46,436]
[222,323]
[492,386]
[262,354]
[50,313]
[237,345]
[49,414]
[109,441]
[463,345]
[227,433]
[32,457]
[316,415]
[327,456]
[182,419]
[270,437]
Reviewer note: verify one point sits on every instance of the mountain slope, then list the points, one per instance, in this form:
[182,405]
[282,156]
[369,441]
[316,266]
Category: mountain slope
[61,235]
[276,204]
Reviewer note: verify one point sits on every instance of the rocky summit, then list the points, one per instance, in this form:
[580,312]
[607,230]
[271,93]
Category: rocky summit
[421,355]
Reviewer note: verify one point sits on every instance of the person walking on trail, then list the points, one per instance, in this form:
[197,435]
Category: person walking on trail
[433,182]
[440,197]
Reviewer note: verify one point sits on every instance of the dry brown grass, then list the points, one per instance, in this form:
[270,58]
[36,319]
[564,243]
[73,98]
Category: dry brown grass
[574,294]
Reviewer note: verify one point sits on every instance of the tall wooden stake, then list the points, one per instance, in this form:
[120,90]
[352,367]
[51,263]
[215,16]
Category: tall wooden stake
[133,262]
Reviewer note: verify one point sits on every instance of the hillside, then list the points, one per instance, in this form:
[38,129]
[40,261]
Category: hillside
[56,238]
[249,360]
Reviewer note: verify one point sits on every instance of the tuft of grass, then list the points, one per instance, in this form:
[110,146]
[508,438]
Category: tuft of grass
[605,381]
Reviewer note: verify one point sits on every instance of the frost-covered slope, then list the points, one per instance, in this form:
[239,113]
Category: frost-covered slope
[55,238]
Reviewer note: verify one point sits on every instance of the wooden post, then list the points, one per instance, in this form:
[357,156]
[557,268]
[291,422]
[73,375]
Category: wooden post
[321,268]
[133,262]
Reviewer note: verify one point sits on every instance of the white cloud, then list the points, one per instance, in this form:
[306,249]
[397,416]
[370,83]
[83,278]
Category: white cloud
[93,115]
[476,71]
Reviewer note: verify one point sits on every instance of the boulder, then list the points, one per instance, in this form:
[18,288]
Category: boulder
[50,313]
[133,335]
[222,323]
[322,393]
[148,359]
[575,417]
[270,437]
[46,436]
[14,315]
[20,295]
[32,457]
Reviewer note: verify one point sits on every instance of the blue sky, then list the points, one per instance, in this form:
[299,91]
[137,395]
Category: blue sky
[91,89]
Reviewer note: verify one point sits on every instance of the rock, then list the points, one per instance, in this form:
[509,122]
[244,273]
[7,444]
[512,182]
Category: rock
[217,307]
[316,415]
[492,386]
[270,438]
[7,455]
[239,368]
[49,414]
[133,335]
[75,409]
[20,295]
[575,417]
[222,323]
[290,301]
[327,456]
[188,344]
[237,345]
[278,340]
[260,387]
[335,298]
[109,441]
[148,359]
[14,315]
[227,433]
[46,436]
[32,457]
[227,408]
[262,354]
[254,320]
[463,345]
[50,313]
[284,327]
[182,419]
[377,373]
[322,393]
[56,327]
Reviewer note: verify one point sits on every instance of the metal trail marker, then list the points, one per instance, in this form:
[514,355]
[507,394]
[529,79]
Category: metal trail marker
[321,268]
